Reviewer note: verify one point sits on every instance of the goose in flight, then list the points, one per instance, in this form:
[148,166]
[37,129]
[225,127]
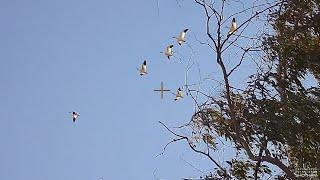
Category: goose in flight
[178,94]
[182,37]
[75,115]
[233,27]
[168,51]
[143,69]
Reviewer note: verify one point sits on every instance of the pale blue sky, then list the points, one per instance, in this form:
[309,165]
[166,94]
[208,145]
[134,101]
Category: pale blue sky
[64,55]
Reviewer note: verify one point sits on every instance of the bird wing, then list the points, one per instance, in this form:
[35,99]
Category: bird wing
[182,36]
[234,25]
[144,68]
[168,49]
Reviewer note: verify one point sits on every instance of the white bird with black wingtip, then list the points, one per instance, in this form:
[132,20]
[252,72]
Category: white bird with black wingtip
[75,115]
[233,27]
[179,94]
[143,69]
[182,37]
[169,51]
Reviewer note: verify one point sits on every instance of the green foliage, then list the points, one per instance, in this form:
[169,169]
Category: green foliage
[296,49]
[296,44]
[239,169]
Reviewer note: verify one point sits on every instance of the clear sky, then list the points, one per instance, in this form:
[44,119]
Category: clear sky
[66,55]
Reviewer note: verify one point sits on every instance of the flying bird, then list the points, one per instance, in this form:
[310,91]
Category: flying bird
[143,69]
[178,94]
[168,51]
[182,37]
[75,115]
[233,27]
